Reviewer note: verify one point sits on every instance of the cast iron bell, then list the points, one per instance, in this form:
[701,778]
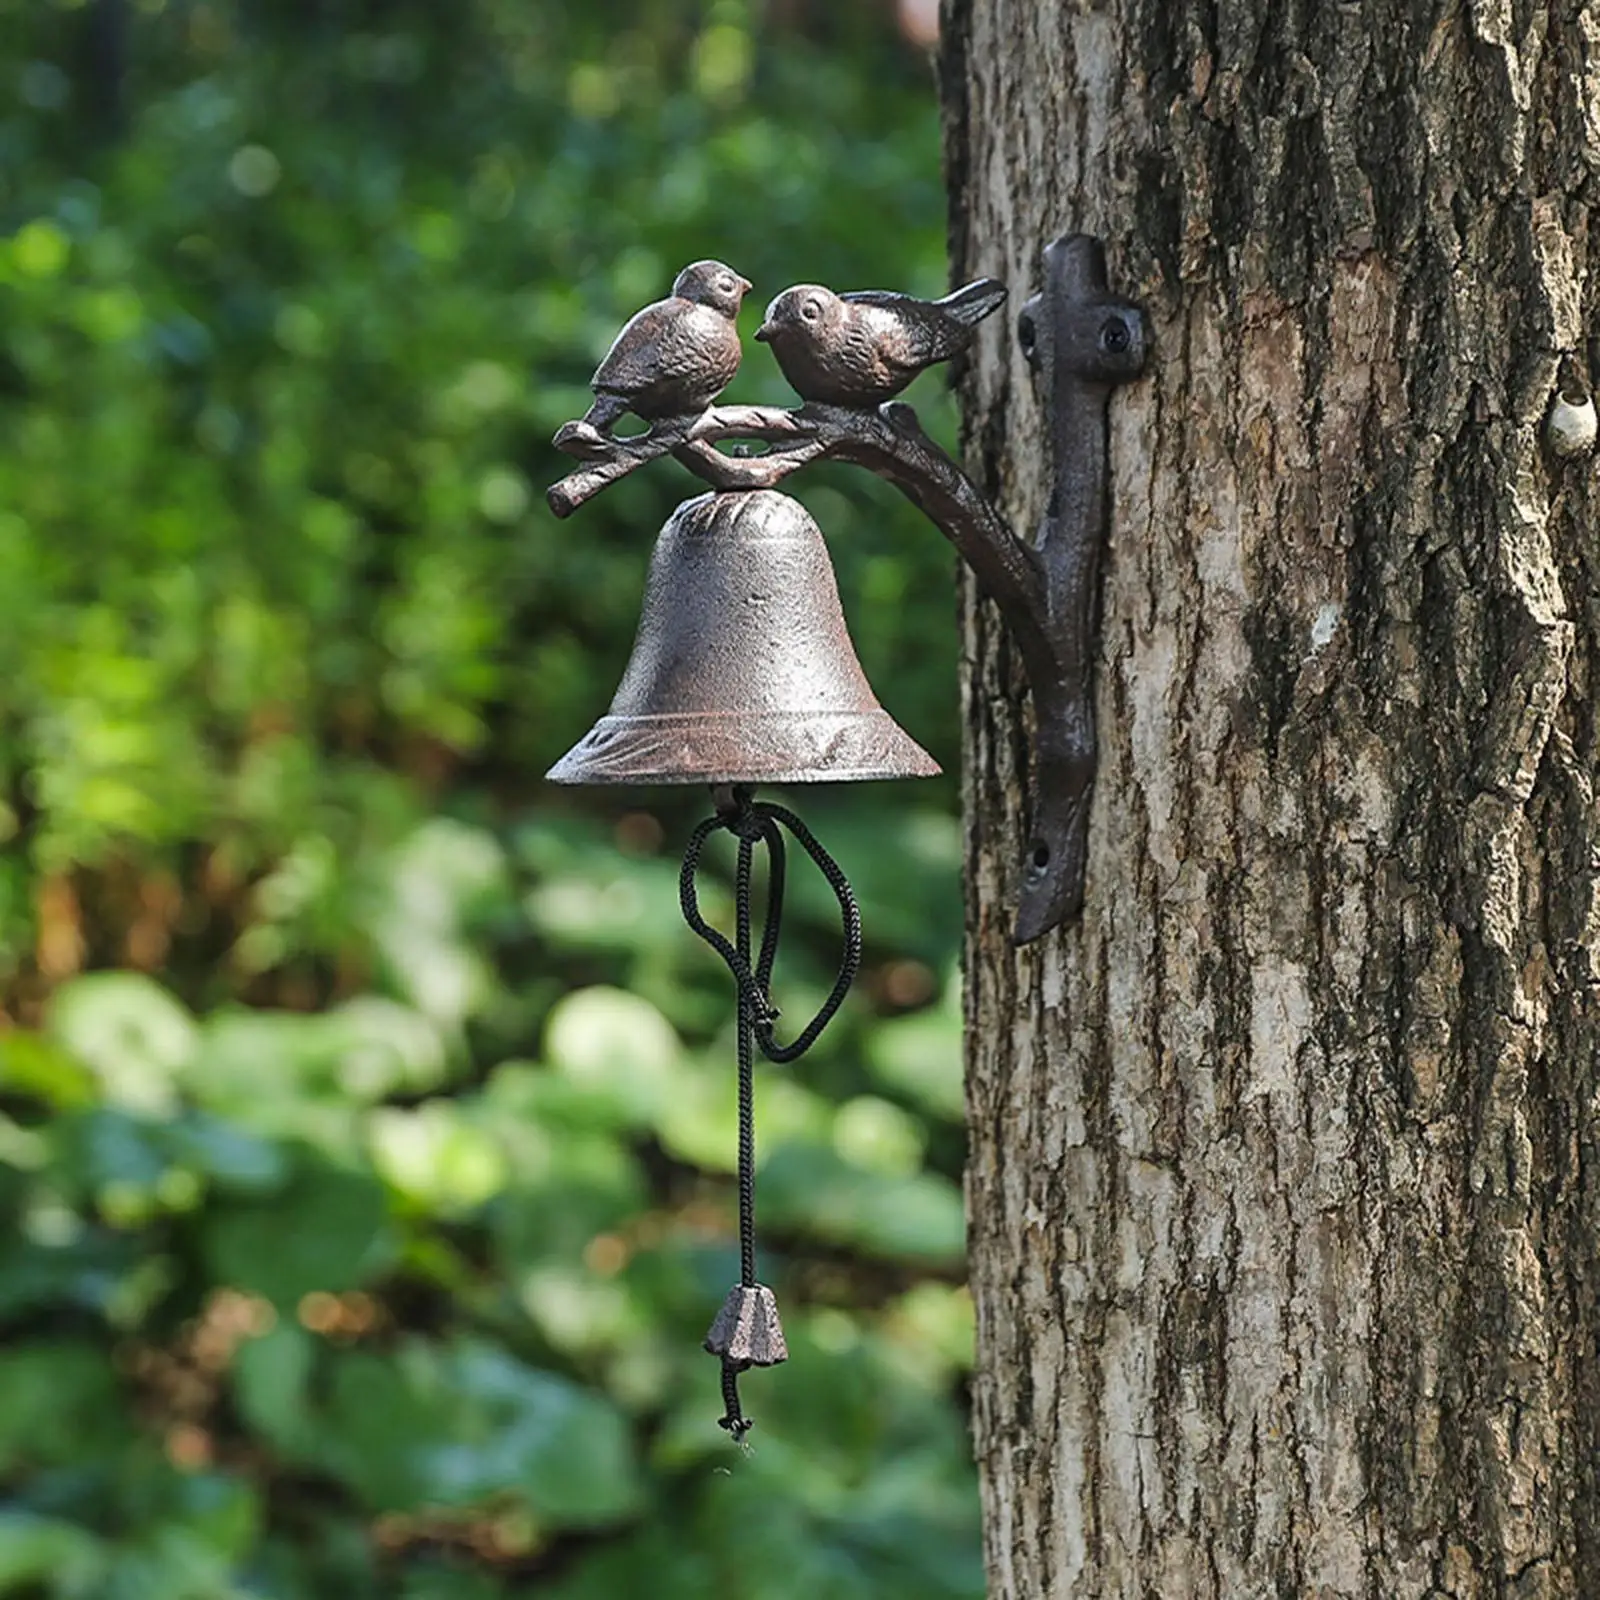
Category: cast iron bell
[743,670]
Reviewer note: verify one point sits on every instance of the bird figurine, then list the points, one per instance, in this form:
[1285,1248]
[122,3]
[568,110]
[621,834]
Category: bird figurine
[863,348]
[677,355]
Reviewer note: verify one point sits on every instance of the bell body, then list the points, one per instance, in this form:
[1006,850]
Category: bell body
[743,670]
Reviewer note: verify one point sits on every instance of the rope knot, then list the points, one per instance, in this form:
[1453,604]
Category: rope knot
[738,1427]
[746,825]
[738,812]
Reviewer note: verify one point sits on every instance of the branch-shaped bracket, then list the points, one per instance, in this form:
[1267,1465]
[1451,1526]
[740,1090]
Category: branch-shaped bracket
[1081,341]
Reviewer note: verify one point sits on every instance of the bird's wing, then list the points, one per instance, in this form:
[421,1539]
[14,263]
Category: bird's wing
[881,297]
[635,358]
[916,333]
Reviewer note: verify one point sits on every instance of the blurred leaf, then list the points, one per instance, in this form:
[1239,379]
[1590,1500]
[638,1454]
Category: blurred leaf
[84,1268]
[38,1550]
[58,1401]
[329,1230]
[811,1190]
[431,1582]
[436,1157]
[33,1065]
[134,1035]
[272,1375]
[919,1056]
[568,1450]
[236,1160]
[443,875]
[878,1137]
[458,1427]
[617,1050]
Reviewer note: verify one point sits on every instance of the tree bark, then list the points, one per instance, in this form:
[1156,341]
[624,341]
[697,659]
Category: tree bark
[1284,1188]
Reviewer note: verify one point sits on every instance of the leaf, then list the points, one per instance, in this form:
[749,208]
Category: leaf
[236,1160]
[384,1047]
[567,1450]
[38,1550]
[462,1426]
[435,1156]
[58,1404]
[442,875]
[105,1149]
[380,1423]
[131,1032]
[878,1137]
[618,1050]
[919,1056]
[432,1582]
[83,1270]
[328,1230]
[567,1184]
[31,1064]
[811,1189]
[280,1071]
[272,1376]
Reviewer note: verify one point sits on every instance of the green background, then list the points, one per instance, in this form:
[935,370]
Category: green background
[366,1110]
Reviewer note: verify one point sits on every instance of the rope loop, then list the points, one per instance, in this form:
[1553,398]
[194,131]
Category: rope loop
[754,822]
[757,821]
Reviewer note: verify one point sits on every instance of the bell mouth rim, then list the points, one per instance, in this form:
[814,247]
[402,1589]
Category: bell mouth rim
[787,780]
[699,748]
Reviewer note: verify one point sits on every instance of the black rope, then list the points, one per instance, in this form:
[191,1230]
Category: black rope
[749,821]
[733,1419]
[752,822]
[747,1085]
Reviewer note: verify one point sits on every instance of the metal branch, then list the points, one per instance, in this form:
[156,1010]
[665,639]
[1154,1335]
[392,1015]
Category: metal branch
[888,441]
[615,458]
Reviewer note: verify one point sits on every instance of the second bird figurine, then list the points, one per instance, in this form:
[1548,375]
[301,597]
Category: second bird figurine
[863,348]
[676,356]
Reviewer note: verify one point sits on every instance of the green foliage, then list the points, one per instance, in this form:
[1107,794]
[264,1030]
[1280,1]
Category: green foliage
[366,1110]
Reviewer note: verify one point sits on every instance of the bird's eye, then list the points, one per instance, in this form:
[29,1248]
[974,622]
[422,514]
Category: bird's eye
[810,311]
[725,285]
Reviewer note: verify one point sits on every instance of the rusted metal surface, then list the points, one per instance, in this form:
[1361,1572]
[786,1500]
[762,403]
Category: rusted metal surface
[1082,341]
[743,670]
[746,1331]
[863,348]
[675,357]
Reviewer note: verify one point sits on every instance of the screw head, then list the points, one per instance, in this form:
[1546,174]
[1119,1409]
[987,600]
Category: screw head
[1114,336]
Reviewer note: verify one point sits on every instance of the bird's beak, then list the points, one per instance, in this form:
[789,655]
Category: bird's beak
[763,333]
[745,286]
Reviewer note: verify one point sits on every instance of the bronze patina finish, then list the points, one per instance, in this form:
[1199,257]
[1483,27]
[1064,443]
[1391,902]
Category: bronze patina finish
[863,348]
[747,1329]
[743,670]
[676,356]
[1082,341]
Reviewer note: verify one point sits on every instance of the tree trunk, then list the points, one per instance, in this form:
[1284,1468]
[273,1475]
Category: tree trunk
[1285,1169]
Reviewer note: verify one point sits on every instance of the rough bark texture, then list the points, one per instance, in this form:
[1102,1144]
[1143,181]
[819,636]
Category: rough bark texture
[1285,1173]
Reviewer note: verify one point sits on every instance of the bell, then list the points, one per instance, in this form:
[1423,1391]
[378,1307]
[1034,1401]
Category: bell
[743,670]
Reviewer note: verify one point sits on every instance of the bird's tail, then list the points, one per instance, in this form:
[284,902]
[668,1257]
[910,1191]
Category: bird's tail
[973,303]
